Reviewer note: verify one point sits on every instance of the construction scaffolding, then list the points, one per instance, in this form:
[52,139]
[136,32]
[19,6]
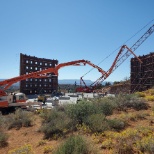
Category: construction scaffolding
[142,74]
[30,64]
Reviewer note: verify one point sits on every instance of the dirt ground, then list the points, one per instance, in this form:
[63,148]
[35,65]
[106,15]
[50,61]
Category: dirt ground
[27,135]
[32,136]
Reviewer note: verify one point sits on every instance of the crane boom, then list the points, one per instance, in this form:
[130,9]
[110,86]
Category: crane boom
[121,57]
[40,74]
[114,66]
[86,88]
[43,74]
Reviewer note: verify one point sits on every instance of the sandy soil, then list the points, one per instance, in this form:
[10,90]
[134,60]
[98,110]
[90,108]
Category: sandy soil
[32,136]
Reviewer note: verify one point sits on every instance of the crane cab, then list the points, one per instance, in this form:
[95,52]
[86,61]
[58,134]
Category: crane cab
[3,101]
[16,98]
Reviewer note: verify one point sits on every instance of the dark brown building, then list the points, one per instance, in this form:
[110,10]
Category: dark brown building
[142,74]
[30,64]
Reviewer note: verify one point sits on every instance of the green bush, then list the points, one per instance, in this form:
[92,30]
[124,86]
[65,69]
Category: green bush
[2,121]
[139,104]
[74,145]
[55,124]
[3,139]
[16,120]
[116,124]
[97,123]
[79,112]
[130,101]
[105,106]
[19,119]
[121,102]
[134,116]
[67,118]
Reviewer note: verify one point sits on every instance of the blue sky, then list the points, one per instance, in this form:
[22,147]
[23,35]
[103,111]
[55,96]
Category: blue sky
[69,30]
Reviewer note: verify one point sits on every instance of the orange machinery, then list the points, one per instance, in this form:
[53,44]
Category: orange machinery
[120,58]
[104,74]
[5,103]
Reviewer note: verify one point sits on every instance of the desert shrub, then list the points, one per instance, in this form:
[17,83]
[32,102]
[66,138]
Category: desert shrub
[79,112]
[48,149]
[124,141]
[83,128]
[121,102]
[2,121]
[19,119]
[55,124]
[140,94]
[151,91]
[130,101]
[141,115]
[133,116]
[97,123]
[130,141]
[107,144]
[116,124]
[26,149]
[41,143]
[150,98]
[146,144]
[105,106]
[3,139]
[153,108]
[74,145]
[139,104]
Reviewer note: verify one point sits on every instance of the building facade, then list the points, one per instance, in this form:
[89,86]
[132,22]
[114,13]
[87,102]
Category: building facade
[30,64]
[142,74]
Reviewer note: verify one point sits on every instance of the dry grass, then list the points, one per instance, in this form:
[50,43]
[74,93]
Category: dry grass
[31,135]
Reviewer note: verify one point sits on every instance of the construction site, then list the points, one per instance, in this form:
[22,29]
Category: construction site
[77,77]
[39,78]
[45,117]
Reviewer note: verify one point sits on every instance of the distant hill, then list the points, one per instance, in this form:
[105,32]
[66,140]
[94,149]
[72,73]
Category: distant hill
[15,84]
[68,81]
[72,81]
[63,81]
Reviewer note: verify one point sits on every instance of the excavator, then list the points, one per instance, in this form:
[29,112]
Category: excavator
[120,58]
[6,100]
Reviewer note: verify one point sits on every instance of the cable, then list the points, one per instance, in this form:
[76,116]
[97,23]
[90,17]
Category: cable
[120,46]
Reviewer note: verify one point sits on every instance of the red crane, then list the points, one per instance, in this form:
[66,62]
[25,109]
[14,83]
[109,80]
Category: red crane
[85,88]
[6,103]
[122,56]
[5,99]
[39,74]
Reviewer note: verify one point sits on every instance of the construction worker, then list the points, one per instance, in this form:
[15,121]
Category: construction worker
[14,98]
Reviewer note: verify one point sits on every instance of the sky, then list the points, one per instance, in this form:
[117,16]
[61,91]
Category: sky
[69,30]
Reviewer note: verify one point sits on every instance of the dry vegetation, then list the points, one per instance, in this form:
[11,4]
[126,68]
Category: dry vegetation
[122,125]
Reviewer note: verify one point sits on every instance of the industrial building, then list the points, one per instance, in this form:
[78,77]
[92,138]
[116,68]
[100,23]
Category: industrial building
[30,64]
[142,74]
